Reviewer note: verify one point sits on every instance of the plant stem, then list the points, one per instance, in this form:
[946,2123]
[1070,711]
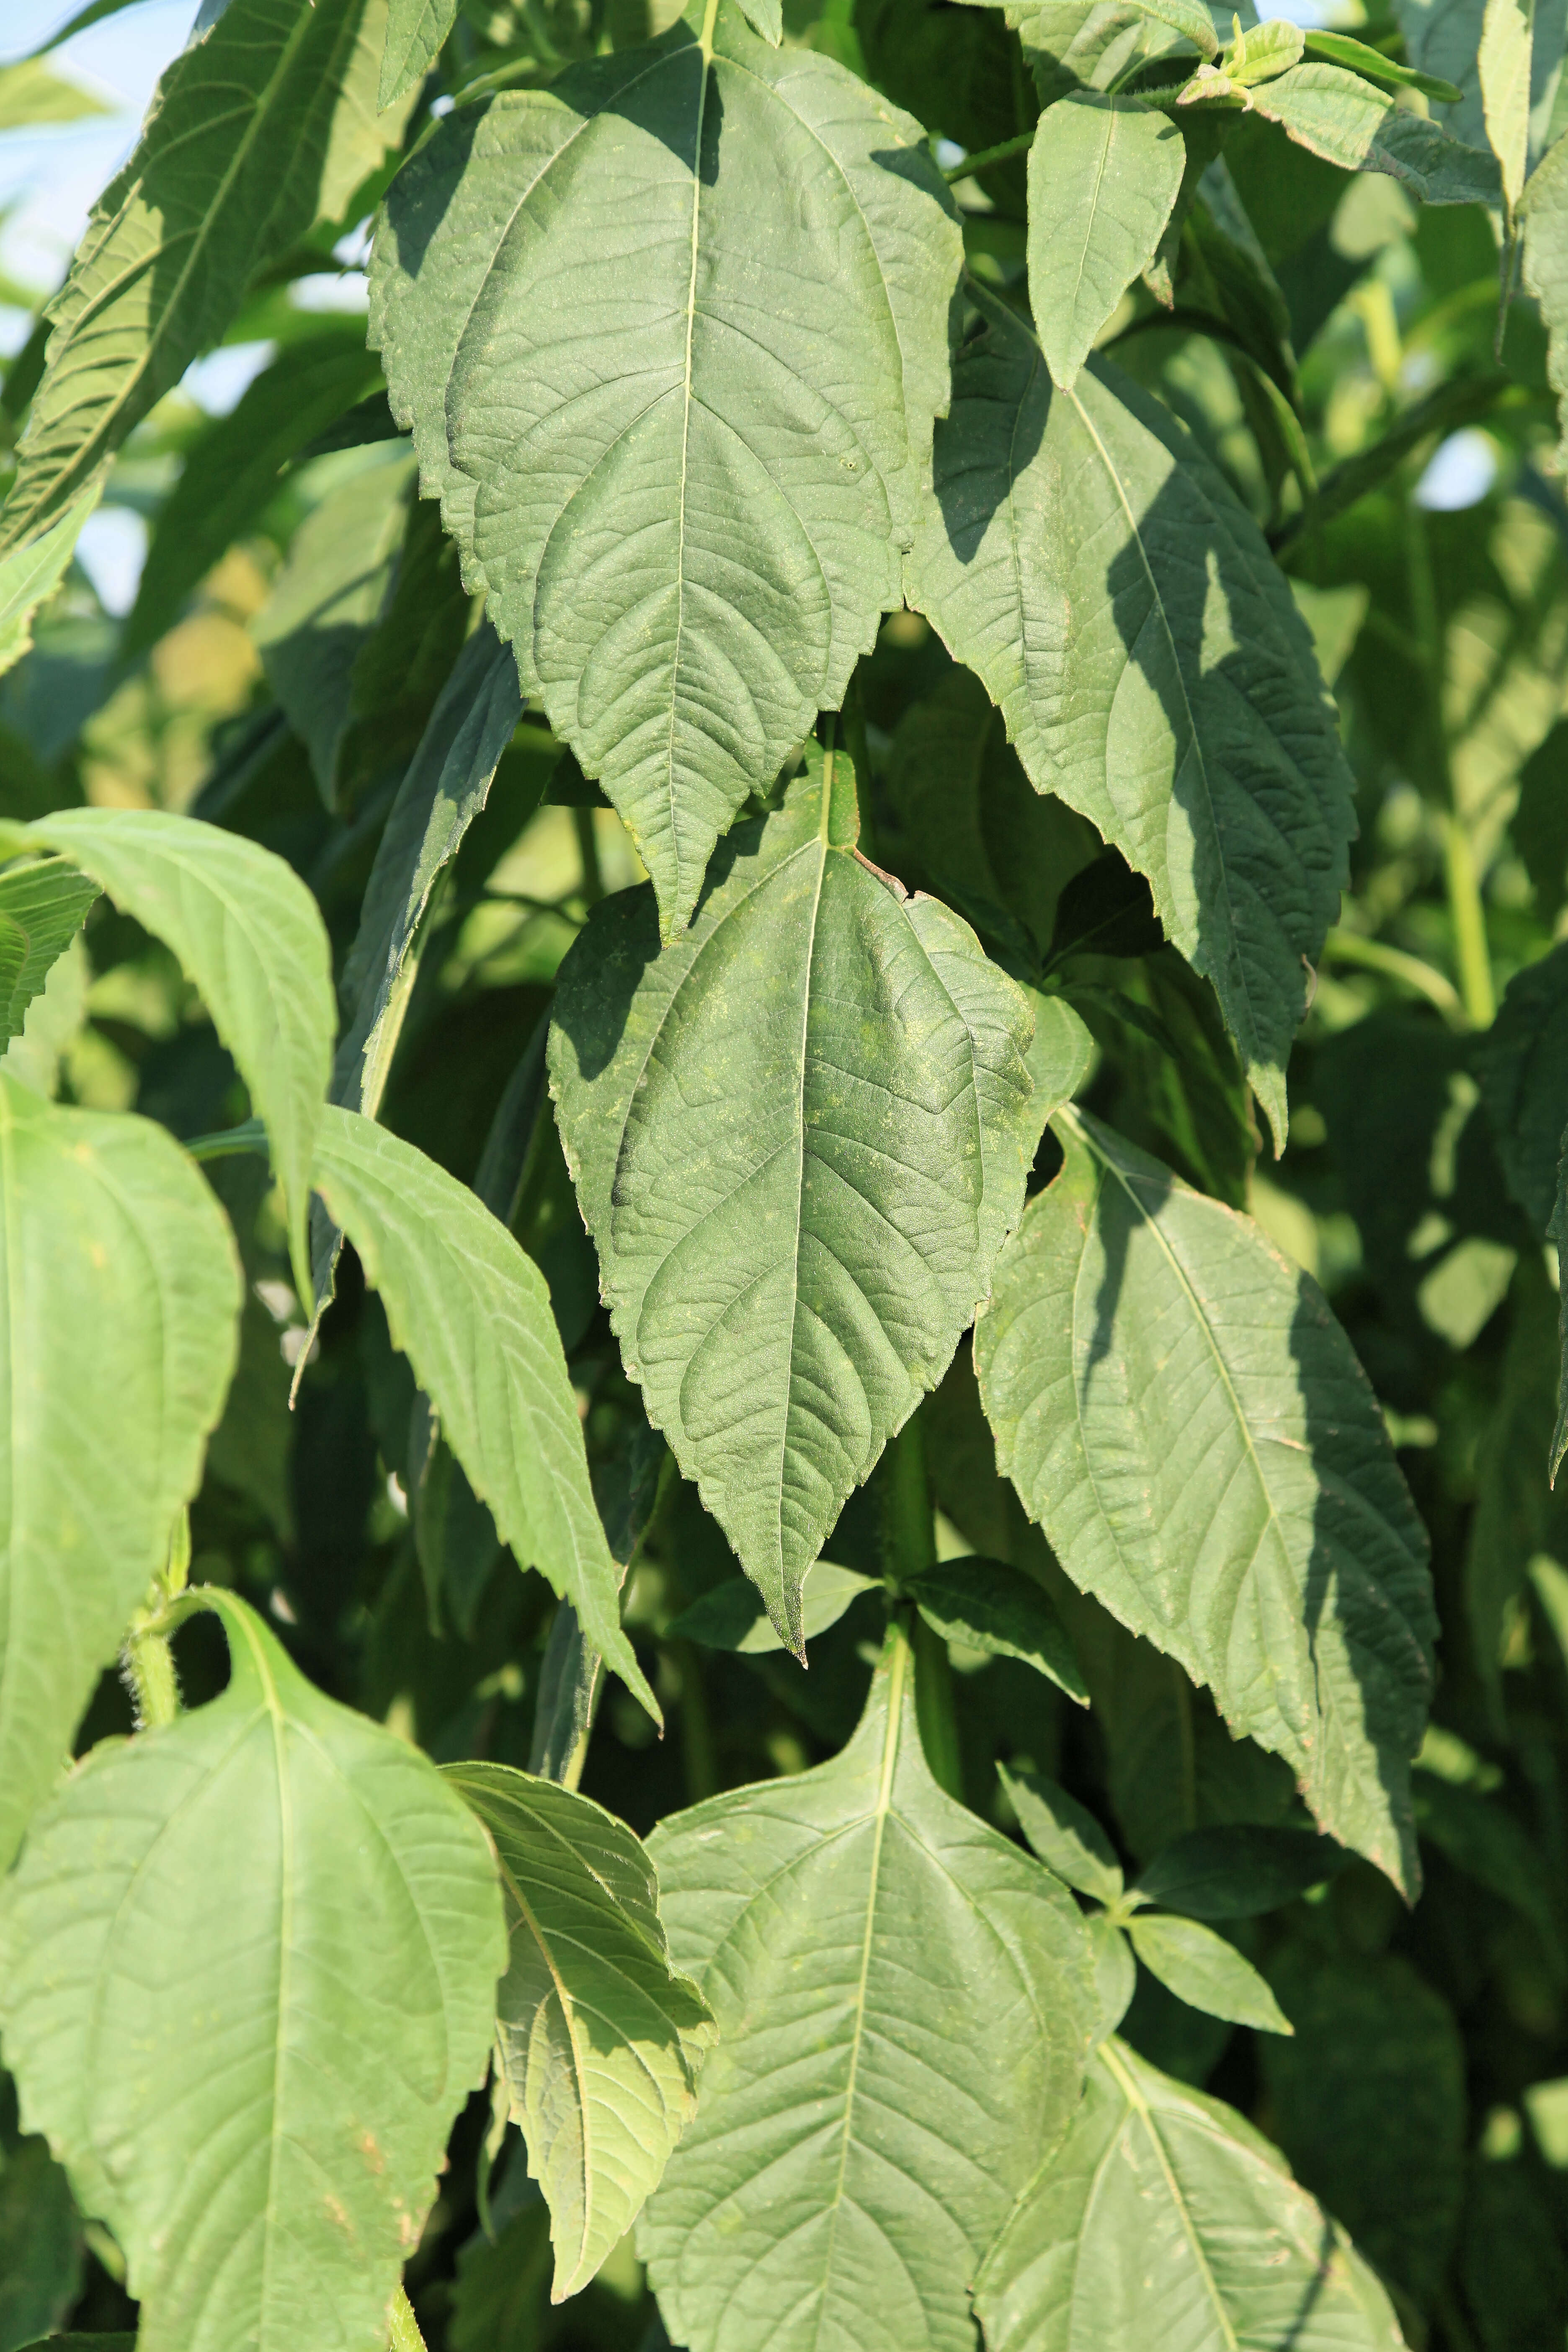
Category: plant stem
[696,1723]
[910,1544]
[1375,955]
[405,2335]
[1469,916]
[147,1660]
[989,155]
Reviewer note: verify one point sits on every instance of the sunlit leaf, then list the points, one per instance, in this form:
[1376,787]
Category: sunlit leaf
[1503,68]
[42,907]
[1065,1835]
[415,30]
[732,1615]
[30,574]
[1346,120]
[1103,175]
[1201,1968]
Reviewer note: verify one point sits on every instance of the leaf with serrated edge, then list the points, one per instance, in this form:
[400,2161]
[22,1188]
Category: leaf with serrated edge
[1201,1968]
[247,1978]
[798,1136]
[1544,208]
[1167,2220]
[1064,1833]
[1090,563]
[415,30]
[471,1312]
[994,1607]
[904,2000]
[1349,122]
[122,1297]
[43,906]
[599,2038]
[248,936]
[686,488]
[1179,1410]
[29,574]
[1104,172]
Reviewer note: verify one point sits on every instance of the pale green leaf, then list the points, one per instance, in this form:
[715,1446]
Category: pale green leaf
[1544,211]
[472,1314]
[121,1294]
[42,907]
[1115,1972]
[903,2000]
[1201,1968]
[1089,562]
[1177,1406]
[987,1605]
[248,936]
[1104,173]
[1166,2219]
[30,574]
[599,2038]
[415,30]
[1263,52]
[1186,16]
[1523,1065]
[264,123]
[1092,44]
[1503,68]
[32,92]
[799,1136]
[247,1985]
[1346,122]
[687,488]
[1065,1835]
[732,1616]
[1340,50]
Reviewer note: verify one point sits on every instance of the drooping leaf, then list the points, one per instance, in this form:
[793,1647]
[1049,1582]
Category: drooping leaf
[686,489]
[120,1283]
[1237,1872]
[799,1138]
[42,907]
[248,936]
[1065,1835]
[1166,2218]
[1443,37]
[730,1616]
[1201,1968]
[903,2001]
[1178,1408]
[1104,172]
[264,123]
[1084,557]
[1544,209]
[415,30]
[599,2038]
[30,574]
[299,1886]
[1341,49]
[992,1606]
[1347,121]
[1523,1065]
[472,1314]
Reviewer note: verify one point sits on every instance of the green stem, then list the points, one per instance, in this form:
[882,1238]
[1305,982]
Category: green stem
[405,2335]
[147,1659]
[989,155]
[934,1709]
[910,1544]
[1375,955]
[1469,916]
[588,851]
[696,1725]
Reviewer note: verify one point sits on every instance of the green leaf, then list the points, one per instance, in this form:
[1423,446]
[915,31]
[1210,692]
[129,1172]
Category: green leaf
[1368,2102]
[1523,1065]
[32,92]
[1346,122]
[30,574]
[599,2038]
[988,1605]
[1544,210]
[297,1886]
[1104,173]
[415,30]
[1065,1835]
[1201,1968]
[1178,1408]
[1492,1847]
[1237,1872]
[472,1314]
[1503,67]
[231,474]
[501,2301]
[264,123]
[1340,51]
[1263,52]
[1168,2220]
[727,428]
[1115,1972]
[42,907]
[40,2243]
[903,2001]
[1151,665]
[249,937]
[1187,18]
[799,1138]
[120,1283]
[1443,37]
[731,1615]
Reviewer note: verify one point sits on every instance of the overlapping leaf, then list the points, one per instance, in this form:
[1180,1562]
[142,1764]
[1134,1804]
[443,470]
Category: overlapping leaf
[599,2038]
[903,2001]
[247,1975]
[1088,562]
[1178,1408]
[30,574]
[1523,1070]
[1350,122]
[799,1136]
[1167,2220]
[686,481]
[42,907]
[1104,172]
[1545,211]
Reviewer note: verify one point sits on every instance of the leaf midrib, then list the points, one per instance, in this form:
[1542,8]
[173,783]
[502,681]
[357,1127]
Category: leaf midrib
[1139,2108]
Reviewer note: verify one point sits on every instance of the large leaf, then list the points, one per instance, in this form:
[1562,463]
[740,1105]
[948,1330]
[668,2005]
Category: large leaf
[1084,556]
[1523,1065]
[264,123]
[1178,1408]
[1545,213]
[122,1291]
[599,2038]
[1348,122]
[246,1984]
[42,907]
[1104,173]
[1168,2221]
[472,1314]
[248,936]
[686,486]
[30,574]
[903,2000]
[799,1136]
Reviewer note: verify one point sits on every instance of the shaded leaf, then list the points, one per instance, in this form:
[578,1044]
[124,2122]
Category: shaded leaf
[301,1880]
[40,2244]
[1237,1872]
[1544,210]
[798,1138]
[1065,1835]
[30,574]
[991,1606]
[732,1616]
[1178,1408]
[1345,121]
[1084,557]
[599,2038]
[903,2001]
[42,907]
[1104,172]
[697,543]
[1523,1065]
[1115,1972]
[1201,1968]
[1167,2220]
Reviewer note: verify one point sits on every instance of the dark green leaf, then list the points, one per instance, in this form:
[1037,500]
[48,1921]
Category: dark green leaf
[1201,1968]
[42,907]
[1523,1065]
[1336,115]
[1105,909]
[1492,1847]
[40,2243]
[1066,1836]
[1233,1874]
[987,1605]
